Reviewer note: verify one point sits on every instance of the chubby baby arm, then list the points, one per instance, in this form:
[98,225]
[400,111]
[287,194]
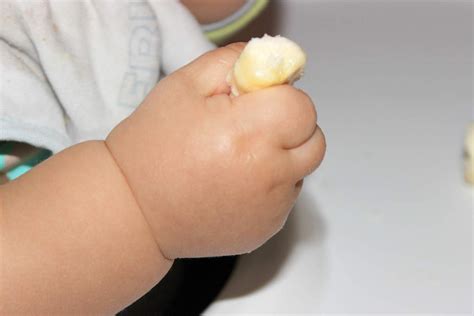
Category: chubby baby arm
[192,172]
[73,239]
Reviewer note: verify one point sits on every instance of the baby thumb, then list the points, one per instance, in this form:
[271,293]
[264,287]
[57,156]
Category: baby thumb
[207,74]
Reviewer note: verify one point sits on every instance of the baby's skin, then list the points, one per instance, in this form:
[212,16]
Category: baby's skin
[192,172]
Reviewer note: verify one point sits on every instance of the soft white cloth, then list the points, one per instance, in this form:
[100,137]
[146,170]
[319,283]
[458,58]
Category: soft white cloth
[72,70]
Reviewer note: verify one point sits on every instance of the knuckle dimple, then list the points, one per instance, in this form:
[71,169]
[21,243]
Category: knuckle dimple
[240,142]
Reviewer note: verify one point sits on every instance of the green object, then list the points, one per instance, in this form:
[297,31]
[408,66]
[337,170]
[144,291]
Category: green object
[18,171]
[24,167]
[223,33]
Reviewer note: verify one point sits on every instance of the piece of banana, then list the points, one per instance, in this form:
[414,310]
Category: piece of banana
[469,155]
[265,62]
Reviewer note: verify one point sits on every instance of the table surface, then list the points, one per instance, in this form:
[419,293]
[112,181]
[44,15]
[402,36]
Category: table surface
[385,224]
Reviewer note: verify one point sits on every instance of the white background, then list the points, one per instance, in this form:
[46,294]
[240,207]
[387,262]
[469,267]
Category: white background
[385,224]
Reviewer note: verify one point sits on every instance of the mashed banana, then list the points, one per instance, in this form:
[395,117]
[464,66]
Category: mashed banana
[266,62]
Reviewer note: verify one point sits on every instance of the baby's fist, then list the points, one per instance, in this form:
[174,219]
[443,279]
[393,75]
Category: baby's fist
[215,175]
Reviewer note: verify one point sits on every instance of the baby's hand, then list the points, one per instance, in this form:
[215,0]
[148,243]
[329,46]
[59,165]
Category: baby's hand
[216,175]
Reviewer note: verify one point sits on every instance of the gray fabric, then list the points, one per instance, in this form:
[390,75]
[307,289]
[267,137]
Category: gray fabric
[72,70]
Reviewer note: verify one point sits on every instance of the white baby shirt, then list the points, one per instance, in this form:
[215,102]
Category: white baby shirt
[72,70]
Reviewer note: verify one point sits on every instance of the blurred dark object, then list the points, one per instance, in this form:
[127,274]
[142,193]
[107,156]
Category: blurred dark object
[188,288]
